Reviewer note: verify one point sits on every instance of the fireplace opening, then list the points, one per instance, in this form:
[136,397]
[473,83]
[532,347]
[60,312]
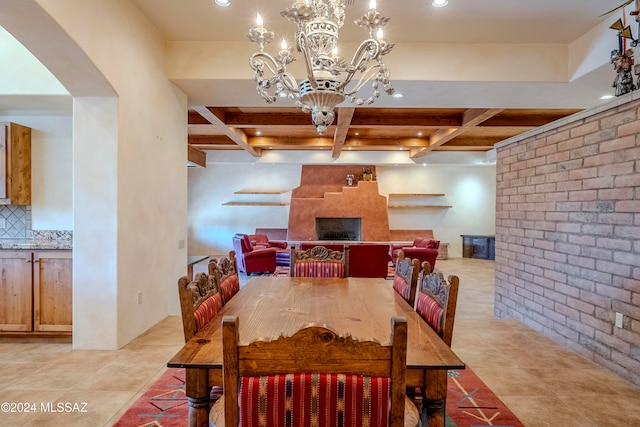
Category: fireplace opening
[338,228]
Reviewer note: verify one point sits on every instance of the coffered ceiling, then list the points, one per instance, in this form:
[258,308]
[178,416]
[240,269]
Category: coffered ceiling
[468,107]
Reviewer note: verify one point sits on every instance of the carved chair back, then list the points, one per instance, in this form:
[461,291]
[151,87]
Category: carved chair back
[318,261]
[436,301]
[406,277]
[200,301]
[314,374]
[225,273]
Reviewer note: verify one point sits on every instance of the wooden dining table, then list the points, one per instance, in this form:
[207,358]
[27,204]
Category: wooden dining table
[268,307]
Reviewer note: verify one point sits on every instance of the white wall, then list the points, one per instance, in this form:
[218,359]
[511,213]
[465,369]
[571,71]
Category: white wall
[211,225]
[470,190]
[130,175]
[51,168]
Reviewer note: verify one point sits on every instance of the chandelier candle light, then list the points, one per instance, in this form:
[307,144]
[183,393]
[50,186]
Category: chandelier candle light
[328,74]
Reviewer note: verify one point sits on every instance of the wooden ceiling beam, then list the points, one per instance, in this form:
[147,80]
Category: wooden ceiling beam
[243,120]
[475,116]
[235,135]
[470,118]
[197,156]
[340,135]
[417,121]
[209,140]
[523,120]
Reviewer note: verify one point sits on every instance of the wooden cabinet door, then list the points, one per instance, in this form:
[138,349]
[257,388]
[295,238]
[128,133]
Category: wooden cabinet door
[16,295]
[15,156]
[53,292]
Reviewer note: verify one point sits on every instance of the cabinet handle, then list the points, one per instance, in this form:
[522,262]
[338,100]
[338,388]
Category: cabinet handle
[29,260]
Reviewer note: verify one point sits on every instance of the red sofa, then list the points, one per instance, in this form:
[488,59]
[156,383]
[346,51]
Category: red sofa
[368,260]
[253,260]
[423,249]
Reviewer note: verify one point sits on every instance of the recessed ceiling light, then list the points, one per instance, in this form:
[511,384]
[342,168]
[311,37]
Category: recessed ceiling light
[223,3]
[258,133]
[398,95]
[440,3]
[607,96]
[419,134]
[357,134]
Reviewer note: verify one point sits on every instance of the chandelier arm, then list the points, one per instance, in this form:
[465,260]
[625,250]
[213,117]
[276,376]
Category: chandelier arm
[265,59]
[301,42]
[369,74]
[289,81]
[360,58]
[281,80]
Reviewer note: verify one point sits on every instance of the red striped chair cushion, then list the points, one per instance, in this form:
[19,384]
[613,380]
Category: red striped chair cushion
[229,287]
[401,286]
[321,400]
[209,308]
[430,311]
[319,269]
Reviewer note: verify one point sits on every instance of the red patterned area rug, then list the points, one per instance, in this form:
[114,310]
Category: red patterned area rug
[470,403]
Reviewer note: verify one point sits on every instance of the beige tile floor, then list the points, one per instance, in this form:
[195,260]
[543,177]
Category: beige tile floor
[544,384]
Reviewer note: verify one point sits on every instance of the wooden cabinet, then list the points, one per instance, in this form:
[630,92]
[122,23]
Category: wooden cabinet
[15,164]
[16,291]
[52,291]
[36,291]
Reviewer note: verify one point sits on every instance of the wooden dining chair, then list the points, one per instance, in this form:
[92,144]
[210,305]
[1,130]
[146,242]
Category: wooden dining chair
[406,277]
[200,301]
[317,261]
[315,374]
[225,273]
[436,301]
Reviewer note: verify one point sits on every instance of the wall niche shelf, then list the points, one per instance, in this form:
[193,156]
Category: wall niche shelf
[257,193]
[253,204]
[406,196]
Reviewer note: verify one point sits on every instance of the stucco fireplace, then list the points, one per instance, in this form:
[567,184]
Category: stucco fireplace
[324,194]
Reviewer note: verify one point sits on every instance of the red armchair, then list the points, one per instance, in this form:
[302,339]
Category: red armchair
[261,241]
[253,260]
[423,249]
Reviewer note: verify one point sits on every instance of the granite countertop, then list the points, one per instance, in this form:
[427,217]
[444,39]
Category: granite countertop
[36,244]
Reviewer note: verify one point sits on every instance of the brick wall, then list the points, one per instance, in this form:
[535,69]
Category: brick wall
[568,234]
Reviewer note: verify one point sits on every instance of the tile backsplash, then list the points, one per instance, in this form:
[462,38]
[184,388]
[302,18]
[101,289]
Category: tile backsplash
[15,223]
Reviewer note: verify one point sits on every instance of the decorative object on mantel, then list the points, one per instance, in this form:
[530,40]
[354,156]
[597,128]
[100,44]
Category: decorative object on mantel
[328,74]
[367,174]
[350,179]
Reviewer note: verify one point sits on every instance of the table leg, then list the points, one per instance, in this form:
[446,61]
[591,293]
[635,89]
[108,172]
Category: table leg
[198,397]
[434,397]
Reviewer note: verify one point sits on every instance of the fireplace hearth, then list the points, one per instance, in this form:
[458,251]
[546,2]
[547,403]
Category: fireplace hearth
[338,228]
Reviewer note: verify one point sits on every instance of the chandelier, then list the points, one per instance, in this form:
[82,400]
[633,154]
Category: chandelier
[330,78]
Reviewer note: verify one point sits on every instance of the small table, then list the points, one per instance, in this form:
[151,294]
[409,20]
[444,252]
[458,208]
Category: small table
[191,260]
[362,307]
